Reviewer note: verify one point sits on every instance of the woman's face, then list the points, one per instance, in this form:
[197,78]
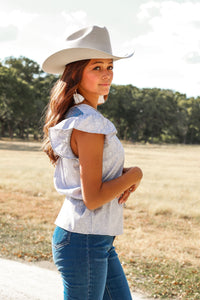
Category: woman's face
[97,78]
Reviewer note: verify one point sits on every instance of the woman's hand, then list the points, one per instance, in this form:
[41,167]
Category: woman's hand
[125,195]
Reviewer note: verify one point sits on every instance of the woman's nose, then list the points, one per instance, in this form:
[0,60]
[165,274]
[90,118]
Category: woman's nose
[106,74]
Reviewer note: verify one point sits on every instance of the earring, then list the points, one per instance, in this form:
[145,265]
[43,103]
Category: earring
[77,97]
[101,100]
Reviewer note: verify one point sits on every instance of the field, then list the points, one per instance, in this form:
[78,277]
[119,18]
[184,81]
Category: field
[160,247]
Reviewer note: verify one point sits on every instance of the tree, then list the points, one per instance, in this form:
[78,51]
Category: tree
[193,132]
[122,110]
[24,95]
[143,115]
[25,68]
[15,102]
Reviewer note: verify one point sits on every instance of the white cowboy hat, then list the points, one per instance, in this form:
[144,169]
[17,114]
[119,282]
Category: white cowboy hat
[87,43]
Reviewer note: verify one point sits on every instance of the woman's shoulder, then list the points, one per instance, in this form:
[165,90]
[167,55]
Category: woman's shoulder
[85,118]
[83,110]
[81,117]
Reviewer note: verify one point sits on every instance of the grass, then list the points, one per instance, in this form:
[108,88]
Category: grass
[159,249]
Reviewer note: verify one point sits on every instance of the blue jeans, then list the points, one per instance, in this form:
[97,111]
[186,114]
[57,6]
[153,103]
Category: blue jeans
[89,266]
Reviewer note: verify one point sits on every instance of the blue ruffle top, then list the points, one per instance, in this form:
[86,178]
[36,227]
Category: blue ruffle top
[74,215]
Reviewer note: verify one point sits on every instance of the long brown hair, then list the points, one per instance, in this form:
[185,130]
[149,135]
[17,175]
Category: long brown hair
[61,100]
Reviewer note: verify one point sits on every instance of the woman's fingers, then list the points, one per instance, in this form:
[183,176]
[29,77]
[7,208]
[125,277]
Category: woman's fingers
[124,197]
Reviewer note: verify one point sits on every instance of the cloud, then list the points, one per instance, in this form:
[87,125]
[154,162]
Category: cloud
[37,35]
[164,34]
[192,57]
[17,18]
[49,32]
[8,33]
[167,55]
[196,24]
[149,10]
[170,22]
[12,26]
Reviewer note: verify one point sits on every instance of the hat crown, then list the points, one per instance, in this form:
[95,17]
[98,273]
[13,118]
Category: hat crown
[92,42]
[93,37]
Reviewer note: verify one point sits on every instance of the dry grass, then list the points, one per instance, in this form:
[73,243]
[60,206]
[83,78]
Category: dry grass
[171,178]
[162,237]
[162,218]
[160,246]
[26,169]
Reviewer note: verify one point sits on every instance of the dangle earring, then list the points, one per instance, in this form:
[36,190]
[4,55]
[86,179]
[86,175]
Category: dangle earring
[101,100]
[78,98]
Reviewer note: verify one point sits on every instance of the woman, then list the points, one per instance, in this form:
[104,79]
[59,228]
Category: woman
[89,170]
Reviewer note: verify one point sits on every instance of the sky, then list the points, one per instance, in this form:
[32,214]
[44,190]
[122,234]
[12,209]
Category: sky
[164,35]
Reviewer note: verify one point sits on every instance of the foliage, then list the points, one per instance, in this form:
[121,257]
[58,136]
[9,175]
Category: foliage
[153,115]
[140,115]
[24,90]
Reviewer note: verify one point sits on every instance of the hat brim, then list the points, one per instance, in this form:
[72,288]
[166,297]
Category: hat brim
[55,63]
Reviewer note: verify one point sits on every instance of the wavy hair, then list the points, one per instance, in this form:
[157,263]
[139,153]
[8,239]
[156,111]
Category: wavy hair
[61,99]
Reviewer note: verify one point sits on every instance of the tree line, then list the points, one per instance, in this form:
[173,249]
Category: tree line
[140,115]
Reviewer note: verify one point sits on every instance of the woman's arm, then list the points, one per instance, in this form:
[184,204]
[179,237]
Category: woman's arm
[89,148]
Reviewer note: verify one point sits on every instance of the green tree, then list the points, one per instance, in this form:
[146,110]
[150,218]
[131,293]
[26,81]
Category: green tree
[143,115]
[122,110]
[193,109]
[25,68]
[14,95]
[28,91]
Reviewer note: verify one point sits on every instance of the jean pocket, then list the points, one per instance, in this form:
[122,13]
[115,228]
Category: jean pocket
[61,237]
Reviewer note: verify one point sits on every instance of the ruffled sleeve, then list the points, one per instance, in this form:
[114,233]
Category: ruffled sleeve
[84,118]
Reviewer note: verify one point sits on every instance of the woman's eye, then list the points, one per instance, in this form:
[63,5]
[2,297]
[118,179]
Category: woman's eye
[97,68]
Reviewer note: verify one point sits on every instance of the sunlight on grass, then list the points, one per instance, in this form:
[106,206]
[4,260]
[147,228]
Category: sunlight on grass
[171,178]
[160,246]
[26,170]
